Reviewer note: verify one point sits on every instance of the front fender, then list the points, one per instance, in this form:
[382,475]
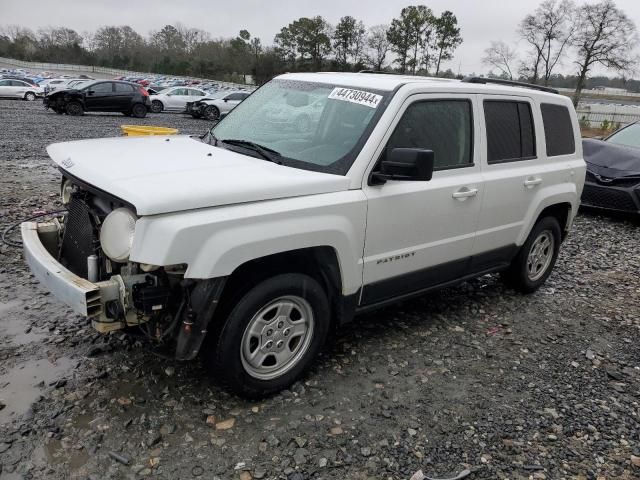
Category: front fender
[214,242]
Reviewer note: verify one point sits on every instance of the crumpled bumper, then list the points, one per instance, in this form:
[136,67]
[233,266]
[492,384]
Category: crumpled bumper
[84,297]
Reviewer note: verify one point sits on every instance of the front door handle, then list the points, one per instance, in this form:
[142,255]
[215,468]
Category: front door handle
[532,182]
[464,193]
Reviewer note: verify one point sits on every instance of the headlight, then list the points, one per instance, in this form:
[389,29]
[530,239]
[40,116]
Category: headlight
[116,234]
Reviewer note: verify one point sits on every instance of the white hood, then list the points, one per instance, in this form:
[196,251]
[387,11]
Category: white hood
[169,174]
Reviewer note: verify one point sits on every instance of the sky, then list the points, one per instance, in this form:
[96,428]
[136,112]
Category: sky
[481,21]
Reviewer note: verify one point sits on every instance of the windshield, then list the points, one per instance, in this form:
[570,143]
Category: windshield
[629,136]
[312,126]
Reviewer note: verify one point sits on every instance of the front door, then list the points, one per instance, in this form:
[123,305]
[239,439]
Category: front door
[420,233]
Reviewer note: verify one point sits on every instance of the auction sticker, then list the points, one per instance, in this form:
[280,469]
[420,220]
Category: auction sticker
[360,97]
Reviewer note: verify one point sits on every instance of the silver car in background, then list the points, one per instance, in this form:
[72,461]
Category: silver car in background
[14,88]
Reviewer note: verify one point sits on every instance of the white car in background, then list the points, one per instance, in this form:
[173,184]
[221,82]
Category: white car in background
[175,99]
[13,88]
[214,108]
[54,84]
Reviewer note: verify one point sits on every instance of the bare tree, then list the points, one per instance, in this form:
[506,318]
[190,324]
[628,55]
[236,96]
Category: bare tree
[605,36]
[501,56]
[549,31]
[379,45]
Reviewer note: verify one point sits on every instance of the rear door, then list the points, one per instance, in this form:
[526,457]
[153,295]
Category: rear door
[516,169]
[123,95]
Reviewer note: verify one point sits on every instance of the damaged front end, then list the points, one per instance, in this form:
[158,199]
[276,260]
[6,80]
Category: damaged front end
[83,259]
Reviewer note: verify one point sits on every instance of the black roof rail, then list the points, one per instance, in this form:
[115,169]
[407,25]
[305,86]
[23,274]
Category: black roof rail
[511,83]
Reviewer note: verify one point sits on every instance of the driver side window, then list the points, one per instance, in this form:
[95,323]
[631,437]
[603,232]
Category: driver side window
[444,126]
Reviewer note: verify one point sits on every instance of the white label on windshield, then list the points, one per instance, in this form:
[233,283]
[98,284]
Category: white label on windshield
[355,96]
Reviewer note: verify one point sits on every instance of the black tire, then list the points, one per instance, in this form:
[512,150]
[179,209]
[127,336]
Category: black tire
[212,113]
[139,110]
[225,358]
[74,108]
[59,111]
[157,106]
[519,275]
[29,96]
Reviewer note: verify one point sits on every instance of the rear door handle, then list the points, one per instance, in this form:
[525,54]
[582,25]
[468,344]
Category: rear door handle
[532,181]
[465,192]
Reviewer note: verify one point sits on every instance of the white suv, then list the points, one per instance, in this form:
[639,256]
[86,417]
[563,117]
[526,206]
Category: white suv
[263,239]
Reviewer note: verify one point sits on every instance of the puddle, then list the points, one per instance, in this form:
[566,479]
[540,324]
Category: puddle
[52,452]
[18,387]
[13,324]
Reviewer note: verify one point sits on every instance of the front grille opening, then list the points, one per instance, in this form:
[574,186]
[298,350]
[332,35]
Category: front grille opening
[608,198]
[80,236]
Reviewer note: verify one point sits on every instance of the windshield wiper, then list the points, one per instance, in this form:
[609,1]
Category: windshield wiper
[265,152]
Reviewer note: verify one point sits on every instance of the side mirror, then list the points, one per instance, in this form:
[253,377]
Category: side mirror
[90,92]
[413,164]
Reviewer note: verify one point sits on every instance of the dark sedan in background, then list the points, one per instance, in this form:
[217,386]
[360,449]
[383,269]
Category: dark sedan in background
[613,171]
[101,96]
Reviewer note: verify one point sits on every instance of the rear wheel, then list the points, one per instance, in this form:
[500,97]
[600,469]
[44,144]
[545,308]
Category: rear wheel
[537,257]
[74,108]
[157,106]
[29,96]
[212,113]
[271,335]
[139,110]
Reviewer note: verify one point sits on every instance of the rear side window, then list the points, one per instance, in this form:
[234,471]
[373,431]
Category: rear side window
[106,87]
[444,126]
[558,130]
[123,87]
[510,131]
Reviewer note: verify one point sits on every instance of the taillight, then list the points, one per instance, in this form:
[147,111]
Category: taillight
[144,92]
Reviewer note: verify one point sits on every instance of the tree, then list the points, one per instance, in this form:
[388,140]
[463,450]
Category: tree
[378,45]
[447,37]
[605,36]
[501,56]
[343,38]
[549,31]
[310,38]
[410,35]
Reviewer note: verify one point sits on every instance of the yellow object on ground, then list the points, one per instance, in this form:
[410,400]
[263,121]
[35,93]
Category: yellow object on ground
[138,130]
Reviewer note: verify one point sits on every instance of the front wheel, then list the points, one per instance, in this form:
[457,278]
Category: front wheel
[537,257]
[212,113]
[74,108]
[271,335]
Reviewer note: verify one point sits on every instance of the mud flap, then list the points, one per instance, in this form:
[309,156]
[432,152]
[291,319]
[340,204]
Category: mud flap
[195,320]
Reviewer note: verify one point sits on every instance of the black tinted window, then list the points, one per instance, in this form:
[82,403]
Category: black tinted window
[18,83]
[105,87]
[444,126]
[123,87]
[510,131]
[558,130]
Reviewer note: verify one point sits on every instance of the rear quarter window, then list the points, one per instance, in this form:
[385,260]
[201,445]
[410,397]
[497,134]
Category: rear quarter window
[558,130]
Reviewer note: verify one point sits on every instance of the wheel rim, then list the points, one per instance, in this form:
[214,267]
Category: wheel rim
[212,113]
[540,255]
[74,108]
[30,97]
[138,110]
[156,106]
[277,337]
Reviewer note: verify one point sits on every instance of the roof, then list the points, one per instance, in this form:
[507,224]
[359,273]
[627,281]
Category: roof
[389,82]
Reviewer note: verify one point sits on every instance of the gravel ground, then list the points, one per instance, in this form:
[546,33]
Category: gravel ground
[474,377]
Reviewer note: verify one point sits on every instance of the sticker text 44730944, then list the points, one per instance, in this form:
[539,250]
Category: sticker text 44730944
[360,97]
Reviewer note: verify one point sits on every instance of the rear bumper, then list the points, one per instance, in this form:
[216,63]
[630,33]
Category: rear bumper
[84,297]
